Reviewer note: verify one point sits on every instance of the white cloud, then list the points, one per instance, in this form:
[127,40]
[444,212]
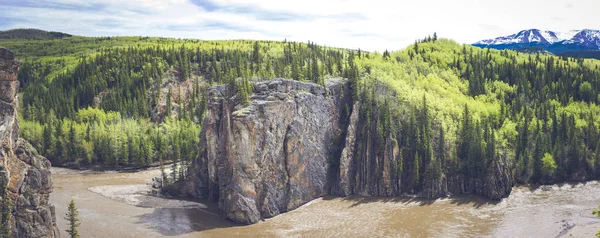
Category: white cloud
[371,25]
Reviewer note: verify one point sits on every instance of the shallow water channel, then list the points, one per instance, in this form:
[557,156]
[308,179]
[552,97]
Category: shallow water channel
[115,204]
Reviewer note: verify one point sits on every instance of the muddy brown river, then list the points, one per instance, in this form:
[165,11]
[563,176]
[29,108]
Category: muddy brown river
[547,211]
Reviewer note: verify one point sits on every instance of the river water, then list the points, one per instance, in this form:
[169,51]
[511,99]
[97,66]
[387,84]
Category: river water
[547,211]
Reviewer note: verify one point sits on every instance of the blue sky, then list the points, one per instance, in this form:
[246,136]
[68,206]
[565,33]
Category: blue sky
[371,25]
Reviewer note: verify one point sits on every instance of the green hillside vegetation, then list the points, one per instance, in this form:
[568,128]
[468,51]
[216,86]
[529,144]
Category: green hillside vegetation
[31,34]
[105,103]
[451,108]
[489,103]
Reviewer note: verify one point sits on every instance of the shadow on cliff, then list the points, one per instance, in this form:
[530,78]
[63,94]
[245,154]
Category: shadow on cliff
[177,221]
[461,200]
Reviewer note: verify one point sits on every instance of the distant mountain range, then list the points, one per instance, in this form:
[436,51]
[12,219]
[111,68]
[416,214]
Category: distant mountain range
[575,43]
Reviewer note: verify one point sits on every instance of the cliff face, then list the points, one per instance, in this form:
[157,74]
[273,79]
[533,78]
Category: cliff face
[298,141]
[373,166]
[27,175]
[273,155]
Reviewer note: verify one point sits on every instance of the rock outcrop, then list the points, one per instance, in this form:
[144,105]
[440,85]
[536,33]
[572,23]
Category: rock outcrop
[27,174]
[370,165]
[273,155]
[297,141]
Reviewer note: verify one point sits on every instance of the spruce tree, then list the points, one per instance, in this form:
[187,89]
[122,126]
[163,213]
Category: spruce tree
[415,173]
[59,150]
[48,138]
[441,151]
[73,142]
[168,104]
[72,217]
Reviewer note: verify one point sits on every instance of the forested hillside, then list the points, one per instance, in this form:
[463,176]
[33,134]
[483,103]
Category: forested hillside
[136,101]
[462,107]
[133,101]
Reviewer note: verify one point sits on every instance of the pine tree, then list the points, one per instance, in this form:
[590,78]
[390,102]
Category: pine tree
[48,138]
[441,151]
[168,104]
[538,154]
[72,218]
[415,173]
[416,47]
[296,75]
[73,142]
[59,150]
[315,72]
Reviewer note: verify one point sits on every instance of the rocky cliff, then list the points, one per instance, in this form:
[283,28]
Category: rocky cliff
[371,165]
[25,174]
[273,155]
[297,141]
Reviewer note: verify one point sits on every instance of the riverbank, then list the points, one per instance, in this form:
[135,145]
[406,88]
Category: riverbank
[584,230]
[72,169]
[117,204]
[587,230]
[141,195]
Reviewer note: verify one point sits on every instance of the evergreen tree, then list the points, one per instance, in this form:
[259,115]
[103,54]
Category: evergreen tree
[168,104]
[73,142]
[538,155]
[48,139]
[72,217]
[59,150]
[441,150]
[416,177]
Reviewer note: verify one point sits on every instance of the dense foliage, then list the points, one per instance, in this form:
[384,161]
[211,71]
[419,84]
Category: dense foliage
[134,102]
[539,111]
[451,109]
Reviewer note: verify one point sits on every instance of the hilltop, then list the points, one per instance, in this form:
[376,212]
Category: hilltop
[32,34]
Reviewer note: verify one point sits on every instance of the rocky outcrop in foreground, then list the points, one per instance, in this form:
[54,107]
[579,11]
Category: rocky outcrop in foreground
[297,141]
[27,175]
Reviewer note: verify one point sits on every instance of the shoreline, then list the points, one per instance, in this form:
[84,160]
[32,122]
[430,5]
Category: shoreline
[72,170]
[585,230]
[106,169]
[140,195]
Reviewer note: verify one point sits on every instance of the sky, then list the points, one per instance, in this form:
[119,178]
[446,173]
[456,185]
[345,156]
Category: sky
[373,25]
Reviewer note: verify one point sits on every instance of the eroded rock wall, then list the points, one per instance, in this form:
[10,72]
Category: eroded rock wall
[272,155]
[297,141]
[28,174]
[374,166]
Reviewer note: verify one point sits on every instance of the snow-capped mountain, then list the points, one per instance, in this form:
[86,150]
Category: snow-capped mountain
[555,42]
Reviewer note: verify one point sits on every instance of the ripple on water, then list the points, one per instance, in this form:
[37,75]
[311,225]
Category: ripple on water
[543,211]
